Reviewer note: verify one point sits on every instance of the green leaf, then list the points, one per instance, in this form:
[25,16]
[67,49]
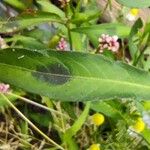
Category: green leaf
[17,4]
[83,17]
[79,41]
[72,76]
[27,20]
[49,7]
[44,119]
[107,109]
[135,3]
[75,128]
[27,42]
[69,108]
[79,122]
[146,135]
[134,30]
[95,31]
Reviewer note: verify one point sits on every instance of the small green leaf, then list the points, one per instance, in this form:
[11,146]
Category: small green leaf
[79,122]
[135,3]
[49,7]
[75,128]
[134,30]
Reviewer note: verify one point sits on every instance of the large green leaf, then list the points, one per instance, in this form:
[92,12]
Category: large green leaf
[72,76]
[135,3]
[95,31]
[27,20]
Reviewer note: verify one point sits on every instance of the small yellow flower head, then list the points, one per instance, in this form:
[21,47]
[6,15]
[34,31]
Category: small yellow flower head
[98,119]
[134,11]
[94,147]
[139,125]
[132,15]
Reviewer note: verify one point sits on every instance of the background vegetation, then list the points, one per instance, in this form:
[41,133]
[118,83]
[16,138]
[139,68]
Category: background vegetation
[74,75]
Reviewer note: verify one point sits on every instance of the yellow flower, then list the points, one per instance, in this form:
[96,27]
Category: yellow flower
[139,125]
[98,119]
[134,11]
[94,147]
[132,15]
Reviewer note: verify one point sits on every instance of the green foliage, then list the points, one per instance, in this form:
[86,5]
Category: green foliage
[135,3]
[59,74]
[94,31]
[28,19]
[51,50]
[46,6]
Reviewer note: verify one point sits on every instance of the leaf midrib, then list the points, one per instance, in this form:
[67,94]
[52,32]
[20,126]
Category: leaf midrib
[82,77]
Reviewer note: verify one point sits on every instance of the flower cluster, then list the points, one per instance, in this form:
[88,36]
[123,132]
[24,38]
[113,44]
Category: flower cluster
[4,88]
[2,43]
[132,15]
[108,42]
[62,45]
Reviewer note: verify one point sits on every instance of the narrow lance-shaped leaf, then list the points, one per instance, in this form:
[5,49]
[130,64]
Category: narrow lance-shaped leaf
[72,131]
[27,20]
[72,76]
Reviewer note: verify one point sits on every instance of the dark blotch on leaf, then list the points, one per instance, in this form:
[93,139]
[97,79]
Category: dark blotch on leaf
[54,74]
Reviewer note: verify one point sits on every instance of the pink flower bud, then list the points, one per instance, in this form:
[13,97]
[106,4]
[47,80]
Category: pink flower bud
[4,88]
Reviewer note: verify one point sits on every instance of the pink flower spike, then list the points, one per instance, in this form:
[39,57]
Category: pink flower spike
[4,88]
[108,39]
[108,42]
[62,45]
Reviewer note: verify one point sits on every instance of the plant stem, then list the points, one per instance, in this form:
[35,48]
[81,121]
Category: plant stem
[68,26]
[30,123]
[61,117]
[36,104]
[69,35]
[105,8]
